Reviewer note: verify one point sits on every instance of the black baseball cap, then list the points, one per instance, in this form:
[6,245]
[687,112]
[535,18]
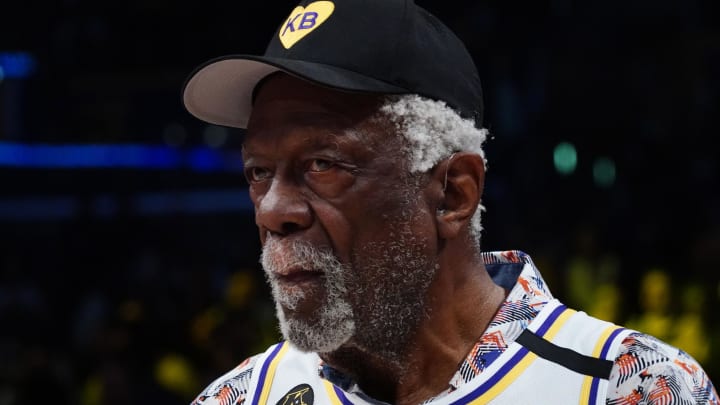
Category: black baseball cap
[368,46]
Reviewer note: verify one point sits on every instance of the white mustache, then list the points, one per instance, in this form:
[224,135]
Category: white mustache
[279,257]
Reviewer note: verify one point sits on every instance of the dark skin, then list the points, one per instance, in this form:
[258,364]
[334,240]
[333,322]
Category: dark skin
[320,171]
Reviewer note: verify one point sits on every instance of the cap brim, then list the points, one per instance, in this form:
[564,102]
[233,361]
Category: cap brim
[220,91]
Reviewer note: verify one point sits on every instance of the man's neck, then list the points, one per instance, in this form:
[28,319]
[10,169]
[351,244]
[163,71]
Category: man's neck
[460,306]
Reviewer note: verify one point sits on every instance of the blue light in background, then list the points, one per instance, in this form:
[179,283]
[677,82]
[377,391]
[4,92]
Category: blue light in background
[108,206]
[128,156]
[193,202]
[17,65]
[38,209]
[205,160]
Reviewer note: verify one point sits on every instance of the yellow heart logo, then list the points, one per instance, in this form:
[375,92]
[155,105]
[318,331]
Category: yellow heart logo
[304,20]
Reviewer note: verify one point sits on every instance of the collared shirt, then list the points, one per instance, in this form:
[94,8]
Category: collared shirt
[645,371]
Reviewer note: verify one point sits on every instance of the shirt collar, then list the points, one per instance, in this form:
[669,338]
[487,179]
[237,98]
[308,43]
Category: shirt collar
[513,270]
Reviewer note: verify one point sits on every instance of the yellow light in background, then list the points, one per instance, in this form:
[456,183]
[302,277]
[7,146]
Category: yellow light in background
[565,158]
[604,172]
[205,323]
[175,373]
[655,288]
[606,302]
[239,289]
[92,391]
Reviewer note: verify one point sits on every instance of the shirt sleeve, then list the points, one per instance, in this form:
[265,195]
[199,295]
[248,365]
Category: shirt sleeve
[231,388]
[649,371]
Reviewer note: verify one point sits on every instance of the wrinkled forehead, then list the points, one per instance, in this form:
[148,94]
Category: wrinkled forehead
[283,100]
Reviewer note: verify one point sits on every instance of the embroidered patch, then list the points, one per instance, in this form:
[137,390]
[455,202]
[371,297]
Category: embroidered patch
[304,20]
[301,395]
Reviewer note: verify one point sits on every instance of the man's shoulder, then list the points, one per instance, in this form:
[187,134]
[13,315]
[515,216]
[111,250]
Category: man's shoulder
[235,386]
[648,370]
[230,388]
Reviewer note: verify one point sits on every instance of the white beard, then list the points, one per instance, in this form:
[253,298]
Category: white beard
[375,303]
[333,324]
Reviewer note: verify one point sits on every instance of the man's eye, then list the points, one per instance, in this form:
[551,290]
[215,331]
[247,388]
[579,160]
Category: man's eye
[256,174]
[320,165]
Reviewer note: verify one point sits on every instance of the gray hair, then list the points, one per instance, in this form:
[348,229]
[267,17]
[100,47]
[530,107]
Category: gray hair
[433,132]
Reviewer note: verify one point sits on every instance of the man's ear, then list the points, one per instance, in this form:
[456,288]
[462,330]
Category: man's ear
[460,178]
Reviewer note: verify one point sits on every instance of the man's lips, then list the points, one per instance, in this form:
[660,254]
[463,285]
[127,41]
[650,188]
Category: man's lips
[298,275]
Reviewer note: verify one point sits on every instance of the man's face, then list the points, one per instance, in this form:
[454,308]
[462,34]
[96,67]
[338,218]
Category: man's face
[348,239]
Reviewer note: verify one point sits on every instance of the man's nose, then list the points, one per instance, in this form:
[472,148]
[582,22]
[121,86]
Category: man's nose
[283,209]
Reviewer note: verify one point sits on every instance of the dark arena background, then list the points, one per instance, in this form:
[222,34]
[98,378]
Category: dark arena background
[128,252]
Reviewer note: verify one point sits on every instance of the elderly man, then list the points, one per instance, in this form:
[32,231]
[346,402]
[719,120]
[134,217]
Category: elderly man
[364,159]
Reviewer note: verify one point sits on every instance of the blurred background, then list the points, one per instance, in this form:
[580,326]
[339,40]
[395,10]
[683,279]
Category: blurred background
[128,253]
